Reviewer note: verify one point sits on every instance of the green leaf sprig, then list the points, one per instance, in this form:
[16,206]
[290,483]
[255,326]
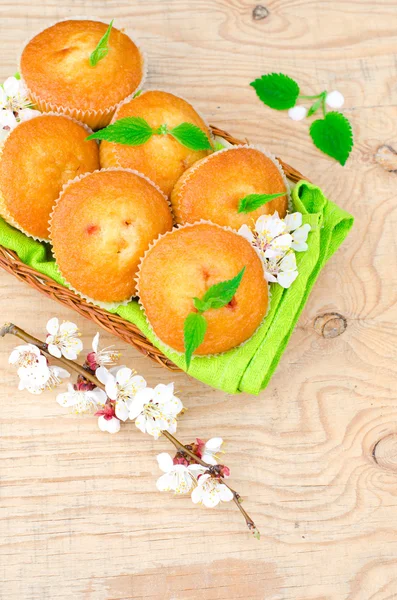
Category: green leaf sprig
[254,201]
[332,134]
[195,325]
[102,48]
[134,131]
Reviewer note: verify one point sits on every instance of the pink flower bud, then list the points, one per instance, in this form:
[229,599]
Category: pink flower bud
[83,385]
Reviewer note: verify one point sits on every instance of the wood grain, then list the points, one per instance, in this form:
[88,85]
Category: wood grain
[315,454]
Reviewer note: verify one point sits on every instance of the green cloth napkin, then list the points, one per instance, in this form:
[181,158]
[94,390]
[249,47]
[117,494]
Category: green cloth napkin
[249,367]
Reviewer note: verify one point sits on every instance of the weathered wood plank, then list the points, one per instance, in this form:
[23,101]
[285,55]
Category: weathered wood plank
[315,455]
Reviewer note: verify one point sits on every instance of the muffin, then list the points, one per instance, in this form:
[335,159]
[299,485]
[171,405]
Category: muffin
[212,188]
[55,66]
[162,158]
[38,157]
[182,265]
[101,226]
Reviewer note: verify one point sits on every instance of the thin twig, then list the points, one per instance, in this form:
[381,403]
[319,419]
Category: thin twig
[29,339]
[179,446]
[26,337]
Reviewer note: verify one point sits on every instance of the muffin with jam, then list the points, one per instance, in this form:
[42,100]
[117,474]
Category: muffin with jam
[182,266]
[213,188]
[162,158]
[55,66]
[101,226]
[38,157]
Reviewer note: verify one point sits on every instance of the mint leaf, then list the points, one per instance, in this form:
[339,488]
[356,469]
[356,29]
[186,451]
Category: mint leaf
[314,108]
[254,201]
[191,136]
[200,304]
[17,75]
[333,136]
[102,48]
[277,90]
[132,131]
[194,330]
[219,294]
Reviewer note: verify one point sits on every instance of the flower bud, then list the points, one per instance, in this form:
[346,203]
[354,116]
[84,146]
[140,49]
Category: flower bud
[297,113]
[83,385]
[335,99]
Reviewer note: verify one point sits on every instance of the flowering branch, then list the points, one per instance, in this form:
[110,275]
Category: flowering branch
[237,499]
[43,347]
[195,466]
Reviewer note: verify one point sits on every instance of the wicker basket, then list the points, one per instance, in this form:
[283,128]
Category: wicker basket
[110,322]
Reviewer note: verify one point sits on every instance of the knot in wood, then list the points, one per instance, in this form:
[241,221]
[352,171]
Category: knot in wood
[386,157]
[330,325]
[385,452]
[260,12]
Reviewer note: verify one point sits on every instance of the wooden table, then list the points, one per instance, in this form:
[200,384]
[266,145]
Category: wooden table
[315,455]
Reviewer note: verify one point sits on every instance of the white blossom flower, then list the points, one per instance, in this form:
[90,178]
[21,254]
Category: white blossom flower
[298,231]
[25,355]
[15,105]
[211,450]
[335,99]
[111,425]
[283,272]
[107,420]
[101,358]
[292,221]
[82,401]
[297,113]
[36,385]
[26,114]
[63,339]
[210,491]
[122,386]
[274,240]
[269,238]
[7,123]
[179,479]
[14,88]
[155,410]
[32,365]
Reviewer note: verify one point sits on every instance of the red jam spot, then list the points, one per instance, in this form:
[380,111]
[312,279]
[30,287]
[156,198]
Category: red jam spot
[92,229]
[206,274]
[232,304]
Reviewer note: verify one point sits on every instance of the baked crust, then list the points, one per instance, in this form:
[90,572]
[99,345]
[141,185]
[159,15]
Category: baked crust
[101,226]
[162,158]
[212,188]
[39,156]
[56,69]
[183,265]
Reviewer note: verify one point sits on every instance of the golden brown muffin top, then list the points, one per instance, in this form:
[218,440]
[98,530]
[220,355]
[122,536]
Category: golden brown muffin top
[182,265]
[39,156]
[101,227]
[212,188]
[55,65]
[162,158]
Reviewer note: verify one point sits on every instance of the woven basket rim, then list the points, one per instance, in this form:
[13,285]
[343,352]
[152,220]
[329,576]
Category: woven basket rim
[111,322]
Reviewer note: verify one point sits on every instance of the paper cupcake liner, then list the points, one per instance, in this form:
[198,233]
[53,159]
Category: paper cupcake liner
[96,119]
[4,212]
[230,148]
[105,305]
[108,154]
[160,342]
